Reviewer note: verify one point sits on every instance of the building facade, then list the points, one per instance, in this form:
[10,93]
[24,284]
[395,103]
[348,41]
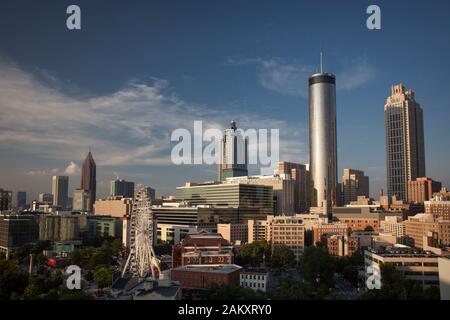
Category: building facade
[89,179]
[60,189]
[354,184]
[422,189]
[300,175]
[288,231]
[323,139]
[113,206]
[120,187]
[405,150]
[233,154]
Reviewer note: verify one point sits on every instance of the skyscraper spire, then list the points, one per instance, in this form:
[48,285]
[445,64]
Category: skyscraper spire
[321,61]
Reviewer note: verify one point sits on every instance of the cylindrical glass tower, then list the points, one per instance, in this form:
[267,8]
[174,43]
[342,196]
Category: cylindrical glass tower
[322,139]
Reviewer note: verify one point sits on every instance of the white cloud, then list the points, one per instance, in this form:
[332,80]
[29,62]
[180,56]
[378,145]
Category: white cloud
[125,128]
[291,78]
[72,169]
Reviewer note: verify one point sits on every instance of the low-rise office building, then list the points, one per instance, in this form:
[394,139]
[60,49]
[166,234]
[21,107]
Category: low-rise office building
[16,231]
[256,279]
[200,277]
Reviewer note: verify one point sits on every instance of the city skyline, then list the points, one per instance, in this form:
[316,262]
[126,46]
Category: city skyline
[53,110]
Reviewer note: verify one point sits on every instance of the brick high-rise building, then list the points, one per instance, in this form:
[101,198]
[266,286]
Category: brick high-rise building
[300,175]
[422,189]
[405,151]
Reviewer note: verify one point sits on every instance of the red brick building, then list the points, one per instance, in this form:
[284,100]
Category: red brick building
[342,245]
[198,277]
[202,248]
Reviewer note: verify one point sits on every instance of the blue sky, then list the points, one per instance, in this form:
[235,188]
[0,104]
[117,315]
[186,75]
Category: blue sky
[139,69]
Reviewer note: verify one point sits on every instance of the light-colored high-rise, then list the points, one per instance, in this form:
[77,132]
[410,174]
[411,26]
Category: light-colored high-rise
[60,189]
[233,154]
[405,151]
[354,184]
[322,139]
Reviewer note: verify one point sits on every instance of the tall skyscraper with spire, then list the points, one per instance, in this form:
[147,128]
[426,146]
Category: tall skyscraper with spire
[322,139]
[89,179]
[405,150]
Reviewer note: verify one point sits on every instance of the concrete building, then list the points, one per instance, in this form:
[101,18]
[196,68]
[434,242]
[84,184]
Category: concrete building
[444,277]
[200,277]
[105,226]
[233,154]
[323,139]
[440,209]
[283,190]
[359,218]
[422,189]
[340,245]
[16,231]
[61,227]
[202,248]
[288,231]
[121,188]
[300,175]
[425,225]
[235,233]
[258,230]
[113,206]
[415,264]
[256,279]
[233,195]
[354,184]
[60,189]
[80,200]
[405,151]
[395,226]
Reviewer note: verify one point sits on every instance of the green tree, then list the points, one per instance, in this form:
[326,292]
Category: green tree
[253,253]
[163,248]
[289,289]
[103,277]
[283,257]
[12,280]
[317,270]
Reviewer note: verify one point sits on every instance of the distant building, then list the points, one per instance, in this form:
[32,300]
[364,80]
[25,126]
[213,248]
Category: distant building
[80,200]
[201,249]
[120,187]
[21,199]
[300,175]
[422,189]
[228,195]
[354,184]
[5,200]
[46,198]
[405,151]
[60,189]
[16,231]
[136,288]
[89,179]
[61,227]
[358,219]
[235,233]
[200,277]
[283,190]
[233,154]
[256,279]
[438,208]
[113,206]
